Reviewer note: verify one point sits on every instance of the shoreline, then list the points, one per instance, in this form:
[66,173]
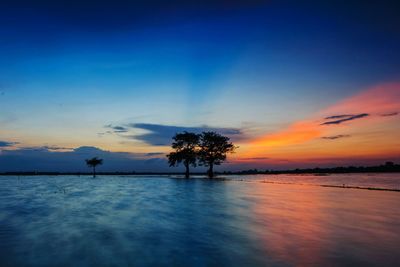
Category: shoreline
[192,174]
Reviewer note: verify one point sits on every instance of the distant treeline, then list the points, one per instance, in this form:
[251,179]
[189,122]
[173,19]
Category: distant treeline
[387,167]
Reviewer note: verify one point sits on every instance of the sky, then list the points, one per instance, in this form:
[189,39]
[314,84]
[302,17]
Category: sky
[293,83]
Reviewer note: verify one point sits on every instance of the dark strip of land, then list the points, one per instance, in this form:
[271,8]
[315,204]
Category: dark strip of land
[386,168]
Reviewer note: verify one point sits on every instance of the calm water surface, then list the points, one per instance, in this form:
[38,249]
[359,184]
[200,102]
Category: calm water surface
[141,221]
[364,180]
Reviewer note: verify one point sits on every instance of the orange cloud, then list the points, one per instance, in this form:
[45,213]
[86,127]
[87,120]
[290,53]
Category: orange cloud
[366,112]
[379,100]
[299,132]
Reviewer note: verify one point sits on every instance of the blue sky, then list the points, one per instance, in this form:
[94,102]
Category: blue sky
[69,69]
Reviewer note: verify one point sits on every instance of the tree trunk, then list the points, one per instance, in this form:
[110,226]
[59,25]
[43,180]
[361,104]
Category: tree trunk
[94,172]
[187,170]
[210,171]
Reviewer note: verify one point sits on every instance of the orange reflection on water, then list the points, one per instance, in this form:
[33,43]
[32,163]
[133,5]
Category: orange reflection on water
[315,226]
[292,215]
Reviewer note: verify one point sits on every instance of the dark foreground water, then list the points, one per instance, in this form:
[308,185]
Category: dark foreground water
[153,221]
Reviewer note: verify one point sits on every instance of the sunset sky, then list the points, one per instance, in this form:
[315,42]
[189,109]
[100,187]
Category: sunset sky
[292,84]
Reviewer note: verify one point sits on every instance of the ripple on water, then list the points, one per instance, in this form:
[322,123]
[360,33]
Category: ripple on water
[123,221]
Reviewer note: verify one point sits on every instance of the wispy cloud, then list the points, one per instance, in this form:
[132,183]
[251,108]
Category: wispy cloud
[46,148]
[255,158]
[7,144]
[338,117]
[334,137]
[342,118]
[161,135]
[390,114]
[117,129]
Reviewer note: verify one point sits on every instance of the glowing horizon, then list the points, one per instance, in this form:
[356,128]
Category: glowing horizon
[71,80]
[370,116]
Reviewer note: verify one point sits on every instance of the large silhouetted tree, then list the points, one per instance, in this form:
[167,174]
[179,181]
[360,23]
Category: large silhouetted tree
[185,145]
[213,150]
[93,162]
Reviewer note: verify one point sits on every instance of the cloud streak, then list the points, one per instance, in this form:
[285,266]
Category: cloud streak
[117,129]
[334,137]
[161,135]
[389,114]
[7,144]
[338,117]
[344,118]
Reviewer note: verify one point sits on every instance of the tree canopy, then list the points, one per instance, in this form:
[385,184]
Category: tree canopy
[93,162]
[207,149]
[185,145]
[213,150]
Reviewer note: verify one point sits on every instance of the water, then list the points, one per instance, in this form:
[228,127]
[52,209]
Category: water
[153,221]
[363,180]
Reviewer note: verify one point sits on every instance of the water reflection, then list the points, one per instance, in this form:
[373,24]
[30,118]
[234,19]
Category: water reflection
[364,180]
[122,221]
[308,226]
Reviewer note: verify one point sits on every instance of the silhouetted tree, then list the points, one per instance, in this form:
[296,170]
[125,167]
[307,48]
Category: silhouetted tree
[185,145]
[93,162]
[213,150]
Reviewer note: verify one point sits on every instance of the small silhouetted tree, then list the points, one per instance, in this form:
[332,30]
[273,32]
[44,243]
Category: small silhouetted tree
[213,150]
[92,163]
[185,145]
